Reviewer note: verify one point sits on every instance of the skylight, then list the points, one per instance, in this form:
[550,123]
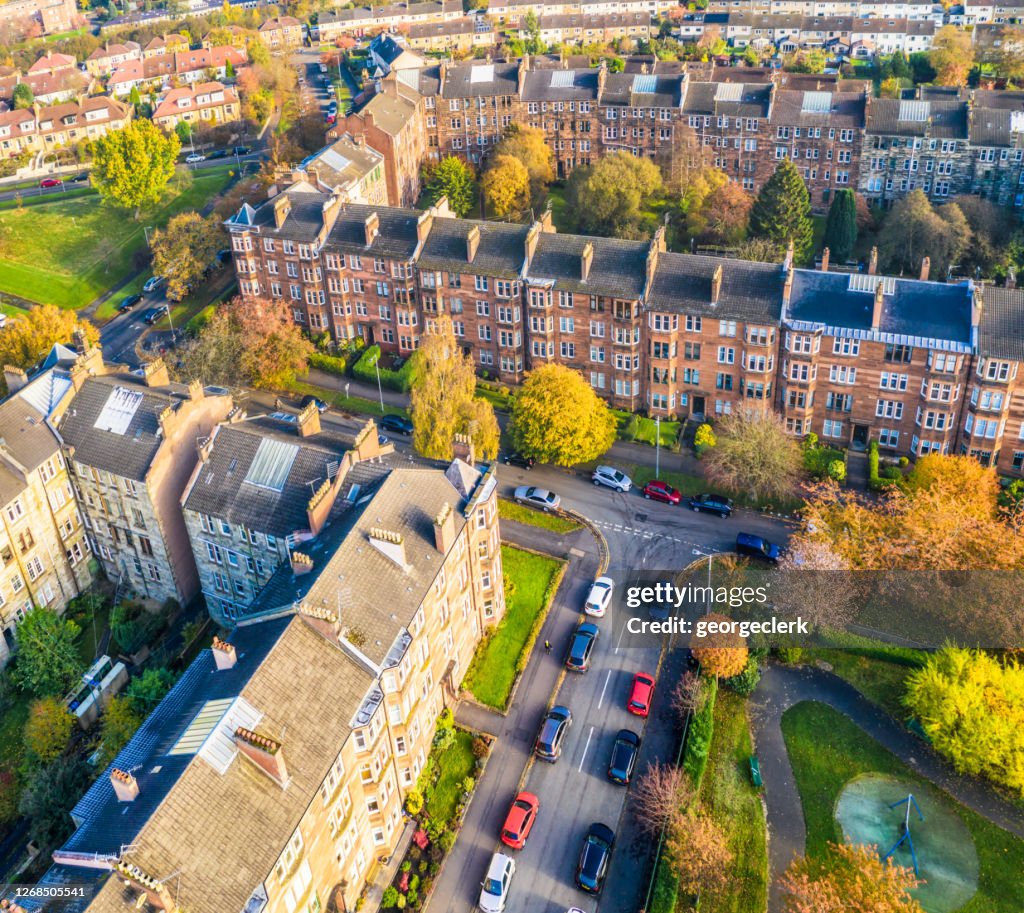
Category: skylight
[915,111]
[563,79]
[483,73]
[272,463]
[644,84]
[119,410]
[729,91]
[816,103]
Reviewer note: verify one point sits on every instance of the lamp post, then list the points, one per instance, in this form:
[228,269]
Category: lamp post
[710,555]
[657,446]
[380,391]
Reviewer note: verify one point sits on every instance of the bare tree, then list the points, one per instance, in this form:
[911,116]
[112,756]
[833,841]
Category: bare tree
[684,695]
[660,798]
[754,454]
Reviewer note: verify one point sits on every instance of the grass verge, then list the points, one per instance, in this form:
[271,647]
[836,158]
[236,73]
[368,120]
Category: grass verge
[456,763]
[355,404]
[509,510]
[691,485]
[827,750]
[530,584]
[881,682]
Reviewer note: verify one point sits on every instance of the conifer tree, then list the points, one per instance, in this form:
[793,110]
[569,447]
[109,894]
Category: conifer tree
[782,211]
[841,227]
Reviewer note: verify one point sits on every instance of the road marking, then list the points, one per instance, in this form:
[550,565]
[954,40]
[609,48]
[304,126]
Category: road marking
[622,634]
[586,748]
[605,688]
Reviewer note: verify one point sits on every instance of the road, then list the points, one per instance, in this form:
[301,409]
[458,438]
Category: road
[574,792]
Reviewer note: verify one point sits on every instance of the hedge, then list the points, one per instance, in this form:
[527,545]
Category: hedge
[400,380]
[877,482]
[873,649]
[665,891]
[698,736]
[331,364]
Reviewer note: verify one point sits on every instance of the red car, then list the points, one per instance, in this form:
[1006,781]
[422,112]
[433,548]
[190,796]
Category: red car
[661,491]
[641,695]
[520,820]
[50,182]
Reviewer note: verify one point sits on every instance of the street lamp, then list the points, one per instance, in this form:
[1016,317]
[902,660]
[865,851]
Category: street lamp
[657,447]
[710,555]
[380,391]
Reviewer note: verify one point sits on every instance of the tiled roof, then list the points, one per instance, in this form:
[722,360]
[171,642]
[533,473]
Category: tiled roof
[940,119]
[750,291]
[397,237]
[618,268]
[500,253]
[802,108]
[1001,334]
[52,62]
[752,100]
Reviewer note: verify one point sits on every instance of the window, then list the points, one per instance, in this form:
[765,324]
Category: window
[832,428]
[888,408]
[900,353]
[888,438]
[842,374]
[726,327]
[726,355]
[889,381]
[842,346]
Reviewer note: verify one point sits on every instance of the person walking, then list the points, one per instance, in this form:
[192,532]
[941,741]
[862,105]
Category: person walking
[547,646]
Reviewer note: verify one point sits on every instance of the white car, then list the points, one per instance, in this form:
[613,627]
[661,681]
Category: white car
[195,158]
[152,284]
[611,477]
[495,887]
[600,597]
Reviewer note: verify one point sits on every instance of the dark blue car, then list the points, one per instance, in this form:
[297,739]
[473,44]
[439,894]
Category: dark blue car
[597,852]
[581,647]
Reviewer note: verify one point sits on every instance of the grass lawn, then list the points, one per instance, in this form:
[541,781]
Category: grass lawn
[642,430]
[493,670]
[356,404]
[456,762]
[734,803]
[108,310]
[827,750]
[556,199]
[11,725]
[509,510]
[11,310]
[87,641]
[695,485]
[881,682]
[69,251]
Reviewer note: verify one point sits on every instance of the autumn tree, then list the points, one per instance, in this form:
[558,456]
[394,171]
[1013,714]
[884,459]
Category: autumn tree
[48,729]
[529,146]
[782,212]
[720,653]
[951,56]
[454,179]
[606,198]
[27,339]
[760,250]
[558,418]
[131,166]
[443,402]
[841,226]
[659,798]
[48,660]
[1010,60]
[699,849]
[991,231]
[855,879]
[117,726]
[754,454]
[506,185]
[22,96]
[914,229]
[815,583]
[184,250]
[717,210]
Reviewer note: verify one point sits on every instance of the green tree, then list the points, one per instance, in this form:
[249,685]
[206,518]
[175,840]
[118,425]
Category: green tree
[1010,59]
[812,61]
[147,690]
[531,25]
[48,729]
[750,56]
[229,70]
[131,166]
[754,454]
[452,178]
[118,725]
[951,56]
[914,229]
[258,53]
[506,185]
[47,658]
[183,130]
[29,337]
[135,98]
[51,793]
[443,403]
[557,418]
[184,250]
[782,212]
[606,198]
[23,96]
[841,227]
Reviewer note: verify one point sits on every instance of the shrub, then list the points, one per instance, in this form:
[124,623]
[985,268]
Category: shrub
[790,655]
[698,737]
[745,683]
[414,802]
[331,364]
[390,898]
[875,481]
[446,841]
[665,892]
[904,462]
[412,897]
[480,748]
[400,379]
[837,471]
[891,472]
[704,439]
[132,626]
[10,793]
[468,785]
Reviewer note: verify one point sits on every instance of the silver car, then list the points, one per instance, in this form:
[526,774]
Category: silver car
[611,477]
[540,498]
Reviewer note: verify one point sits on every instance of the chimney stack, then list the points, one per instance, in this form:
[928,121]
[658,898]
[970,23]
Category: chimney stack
[126,787]
[926,266]
[264,752]
[80,342]
[876,311]
[531,242]
[309,420]
[444,529]
[372,226]
[155,373]
[787,287]
[224,655]
[472,243]
[390,545]
[16,378]
[282,206]
[462,449]
[873,262]
[825,255]
[1011,278]
[716,284]
[301,563]
[586,260]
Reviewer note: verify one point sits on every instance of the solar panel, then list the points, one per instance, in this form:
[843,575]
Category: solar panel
[563,79]
[865,282]
[644,84]
[483,73]
[816,103]
[729,91]
[272,463]
[119,410]
[915,111]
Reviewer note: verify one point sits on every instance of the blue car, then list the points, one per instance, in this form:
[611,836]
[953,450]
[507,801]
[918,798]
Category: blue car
[582,646]
[594,858]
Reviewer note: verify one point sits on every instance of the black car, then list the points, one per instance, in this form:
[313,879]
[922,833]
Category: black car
[581,647]
[128,303]
[154,314]
[396,423]
[224,256]
[241,150]
[217,154]
[624,755]
[517,459]
[80,178]
[712,504]
[594,858]
[321,406]
[552,732]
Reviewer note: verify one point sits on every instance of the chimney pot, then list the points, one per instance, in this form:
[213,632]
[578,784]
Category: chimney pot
[462,449]
[224,655]
[264,752]
[825,255]
[873,262]
[126,787]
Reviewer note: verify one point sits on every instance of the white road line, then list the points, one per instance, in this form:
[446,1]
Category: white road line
[586,748]
[618,643]
[604,689]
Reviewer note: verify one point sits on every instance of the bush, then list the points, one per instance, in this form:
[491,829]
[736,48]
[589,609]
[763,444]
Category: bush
[745,683]
[446,841]
[133,627]
[331,364]
[480,748]
[891,472]
[698,737]
[414,802]
[904,462]
[390,898]
[666,886]
[790,655]
[837,471]
[704,439]
[401,380]
[875,481]
[820,461]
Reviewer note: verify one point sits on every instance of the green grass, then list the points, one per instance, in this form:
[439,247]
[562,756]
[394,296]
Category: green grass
[11,310]
[733,802]
[12,724]
[556,199]
[456,763]
[88,638]
[498,399]
[509,510]
[356,404]
[499,657]
[70,251]
[108,310]
[879,681]
[198,321]
[694,485]
[827,750]
[642,430]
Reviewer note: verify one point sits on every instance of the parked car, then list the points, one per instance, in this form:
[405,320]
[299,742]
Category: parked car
[540,498]
[495,887]
[656,490]
[152,284]
[218,154]
[50,182]
[612,478]
[224,256]
[599,597]
[128,303]
[581,646]
[753,546]
[625,750]
[555,725]
[154,314]
[241,150]
[517,459]
[80,178]
[594,858]
[712,504]
[519,820]
[641,694]
[398,424]
[383,439]
[321,406]
[194,159]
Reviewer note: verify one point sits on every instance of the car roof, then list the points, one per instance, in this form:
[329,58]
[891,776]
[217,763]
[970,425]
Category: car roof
[604,581]
[588,628]
[642,678]
[750,539]
[597,829]
[499,861]
[558,710]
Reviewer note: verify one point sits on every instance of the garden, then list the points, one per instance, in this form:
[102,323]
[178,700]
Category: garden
[520,513]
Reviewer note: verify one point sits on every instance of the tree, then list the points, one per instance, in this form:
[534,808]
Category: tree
[721,653]
[131,166]
[147,690]
[28,338]
[991,230]
[897,66]
[812,61]
[1010,59]
[606,198]
[443,403]
[841,226]
[971,706]
[659,797]
[135,98]
[914,230]
[47,658]
[892,87]
[782,212]
[531,25]
[754,454]
[760,250]
[258,53]
[558,418]
[118,725]
[23,96]
[48,729]
[506,185]
[855,879]
[951,56]
[452,178]
[184,250]
[699,848]
[51,793]
[529,146]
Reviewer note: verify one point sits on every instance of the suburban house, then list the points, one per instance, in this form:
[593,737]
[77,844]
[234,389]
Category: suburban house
[41,128]
[281,32]
[103,61]
[206,102]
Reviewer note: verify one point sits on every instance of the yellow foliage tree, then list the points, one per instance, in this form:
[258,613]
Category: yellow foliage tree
[48,729]
[506,185]
[721,654]
[26,339]
[951,56]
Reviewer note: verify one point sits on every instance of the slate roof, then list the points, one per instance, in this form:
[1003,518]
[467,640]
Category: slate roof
[397,237]
[946,119]
[304,220]
[618,268]
[24,433]
[342,161]
[221,488]
[491,79]
[501,251]
[918,310]
[548,85]
[637,90]
[996,127]
[845,111]
[707,98]
[391,113]
[750,291]
[1001,334]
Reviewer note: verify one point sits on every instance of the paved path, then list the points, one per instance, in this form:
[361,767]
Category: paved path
[782,687]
